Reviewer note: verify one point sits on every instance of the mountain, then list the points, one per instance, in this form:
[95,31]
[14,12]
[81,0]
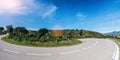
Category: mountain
[114,33]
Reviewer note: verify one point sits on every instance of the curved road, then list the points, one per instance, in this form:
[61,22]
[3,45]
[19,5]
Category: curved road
[91,49]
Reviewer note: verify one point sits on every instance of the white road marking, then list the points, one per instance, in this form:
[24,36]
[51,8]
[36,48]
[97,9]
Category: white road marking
[116,52]
[38,54]
[95,43]
[79,50]
[70,52]
[10,51]
[91,46]
[87,48]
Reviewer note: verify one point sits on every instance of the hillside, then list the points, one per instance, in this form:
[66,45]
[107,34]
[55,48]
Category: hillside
[83,34]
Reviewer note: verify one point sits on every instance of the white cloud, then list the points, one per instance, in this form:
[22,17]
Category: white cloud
[108,22]
[112,15]
[26,7]
[51,10]
[57,27]
[81,16]
[14,6]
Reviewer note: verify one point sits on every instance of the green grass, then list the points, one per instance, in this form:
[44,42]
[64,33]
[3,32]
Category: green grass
[117,40]
[43,44]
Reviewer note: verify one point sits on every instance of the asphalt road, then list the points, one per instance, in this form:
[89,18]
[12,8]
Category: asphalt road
[90,49]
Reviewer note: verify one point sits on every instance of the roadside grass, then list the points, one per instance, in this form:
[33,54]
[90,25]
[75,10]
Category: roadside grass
[117,40]
[43,44]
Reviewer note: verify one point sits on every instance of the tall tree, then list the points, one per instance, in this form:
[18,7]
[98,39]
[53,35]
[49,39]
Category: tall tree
[21,30]
[9,28]
[43,31]
[1,29]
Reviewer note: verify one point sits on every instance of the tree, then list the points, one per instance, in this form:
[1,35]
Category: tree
[43,31]
[9,28]
[1,29]
[21,30]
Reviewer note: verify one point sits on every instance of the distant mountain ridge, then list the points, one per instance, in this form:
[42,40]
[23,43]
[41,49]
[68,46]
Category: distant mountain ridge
[114,33]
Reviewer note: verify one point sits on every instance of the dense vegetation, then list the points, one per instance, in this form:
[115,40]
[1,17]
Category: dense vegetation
[45,35]
[50,37]
[2,31]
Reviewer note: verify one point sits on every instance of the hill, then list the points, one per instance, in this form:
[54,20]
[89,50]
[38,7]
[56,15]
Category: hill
[84,34]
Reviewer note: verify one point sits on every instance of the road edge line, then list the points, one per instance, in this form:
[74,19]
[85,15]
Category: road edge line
[116,53]
[10,51]
[32,54]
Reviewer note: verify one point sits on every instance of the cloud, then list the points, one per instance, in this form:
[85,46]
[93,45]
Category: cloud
[51,10]
[17,7]
[26,7]
[46,9]
[81,16]
[14,7]
[112,15]
[57,27]
[108,22]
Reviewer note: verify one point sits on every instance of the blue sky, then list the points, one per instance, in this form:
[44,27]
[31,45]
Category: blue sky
[96,15]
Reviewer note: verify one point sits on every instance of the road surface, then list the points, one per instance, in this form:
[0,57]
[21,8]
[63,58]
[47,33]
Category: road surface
[90,49]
